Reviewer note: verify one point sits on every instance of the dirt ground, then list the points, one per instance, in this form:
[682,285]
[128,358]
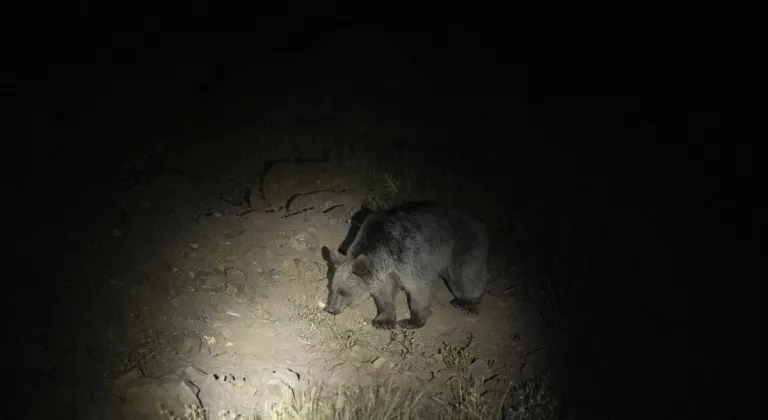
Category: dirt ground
[201,292]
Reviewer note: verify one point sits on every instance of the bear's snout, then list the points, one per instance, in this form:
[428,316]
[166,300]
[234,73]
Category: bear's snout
[331,310]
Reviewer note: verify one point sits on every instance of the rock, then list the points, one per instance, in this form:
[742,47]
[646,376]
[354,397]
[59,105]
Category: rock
[316,367]
[303,240]
[274,386]
[307,269]
[256,200]
[278,390]
[211,280]
[190,345]
[288,377]
[343,374]
[378,362]
[226,332]
[144,397]
[124,380]
[239,196]
[413,380]
[366,382]
[235,276]
[193,374]
[479,370]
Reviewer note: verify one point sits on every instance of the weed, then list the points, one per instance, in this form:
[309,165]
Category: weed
[458,358]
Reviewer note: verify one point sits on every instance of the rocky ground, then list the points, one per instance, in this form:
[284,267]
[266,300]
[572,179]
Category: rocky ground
[212,294]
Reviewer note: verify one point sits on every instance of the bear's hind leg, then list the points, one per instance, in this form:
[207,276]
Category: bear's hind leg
[467,283]
[470,306]
[419,306]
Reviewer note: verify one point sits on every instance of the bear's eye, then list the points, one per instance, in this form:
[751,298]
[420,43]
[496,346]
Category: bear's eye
[342,292]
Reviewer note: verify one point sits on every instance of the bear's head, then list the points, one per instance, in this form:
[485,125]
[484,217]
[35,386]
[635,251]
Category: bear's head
[350,281]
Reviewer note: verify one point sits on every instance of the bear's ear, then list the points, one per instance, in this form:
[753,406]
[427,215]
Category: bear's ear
[333,256]
[362,266]
[337,257]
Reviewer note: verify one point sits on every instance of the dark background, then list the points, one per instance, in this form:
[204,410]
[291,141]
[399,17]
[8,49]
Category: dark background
[622,132]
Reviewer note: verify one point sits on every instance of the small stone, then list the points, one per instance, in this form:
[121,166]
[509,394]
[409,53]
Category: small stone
[193,374]
[287,376]
[225,332]
[172,393]
[343,374]
[235,276]
[378,362]
[256,200]
[119,385]
[190,345]
[479,370]
[211,280]
[279,390]
[301,241]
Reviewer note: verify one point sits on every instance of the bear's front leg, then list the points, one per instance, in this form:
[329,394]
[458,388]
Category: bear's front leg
[385,308]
